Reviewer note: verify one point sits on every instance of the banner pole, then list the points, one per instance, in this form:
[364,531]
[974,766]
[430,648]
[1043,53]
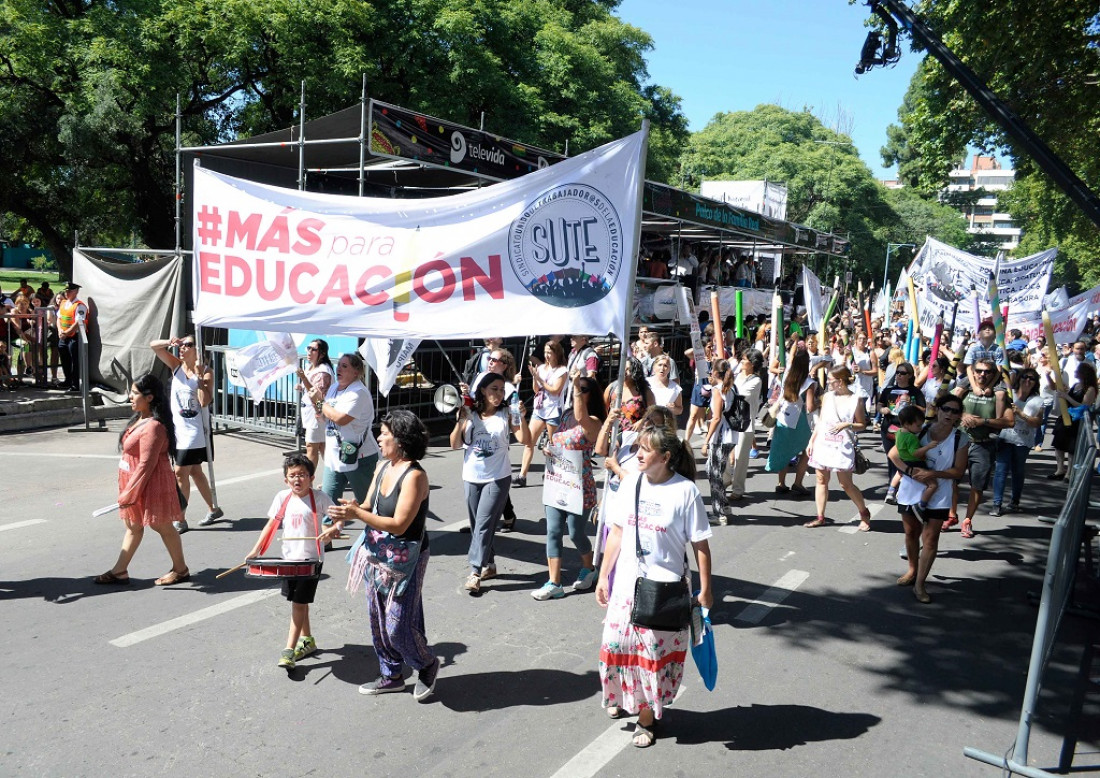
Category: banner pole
[208,429]
[624,337]
[362,135]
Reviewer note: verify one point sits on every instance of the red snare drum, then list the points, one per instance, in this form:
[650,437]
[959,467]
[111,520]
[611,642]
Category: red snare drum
[262,567]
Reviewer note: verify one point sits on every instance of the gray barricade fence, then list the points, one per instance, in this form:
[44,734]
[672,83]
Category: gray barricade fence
[1058,585]
[428,368]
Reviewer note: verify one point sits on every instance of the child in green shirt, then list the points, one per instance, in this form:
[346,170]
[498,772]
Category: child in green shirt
[907,440]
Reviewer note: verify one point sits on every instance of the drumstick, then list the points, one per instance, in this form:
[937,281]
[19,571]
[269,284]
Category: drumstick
[105,509]
[231,570]
[317,537]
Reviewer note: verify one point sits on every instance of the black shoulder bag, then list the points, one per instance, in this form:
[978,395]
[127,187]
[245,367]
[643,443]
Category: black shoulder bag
[664,605]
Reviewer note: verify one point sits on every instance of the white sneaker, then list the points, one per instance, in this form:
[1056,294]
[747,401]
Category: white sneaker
[549,591]
[586,579]
[181,526]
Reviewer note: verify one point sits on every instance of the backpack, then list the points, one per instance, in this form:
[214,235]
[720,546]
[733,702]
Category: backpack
[737,413]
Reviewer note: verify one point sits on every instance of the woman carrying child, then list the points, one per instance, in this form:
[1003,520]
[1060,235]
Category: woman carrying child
[832,445]
[391,556]
[946,462]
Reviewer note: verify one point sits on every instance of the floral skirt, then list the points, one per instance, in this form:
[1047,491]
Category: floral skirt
[639,668]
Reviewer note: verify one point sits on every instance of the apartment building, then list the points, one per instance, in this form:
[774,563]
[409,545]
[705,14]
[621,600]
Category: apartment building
[985,175]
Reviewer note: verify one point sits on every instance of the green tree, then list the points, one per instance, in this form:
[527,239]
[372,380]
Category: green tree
[828,186]
[88,88]
[1039,57]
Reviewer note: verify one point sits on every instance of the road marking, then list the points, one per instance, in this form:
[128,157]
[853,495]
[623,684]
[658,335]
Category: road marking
[58,456]
[192,618]
[595,756]
[242,478]
[787,556]
[852,527]
[755,611]
[454,526]
[18,524]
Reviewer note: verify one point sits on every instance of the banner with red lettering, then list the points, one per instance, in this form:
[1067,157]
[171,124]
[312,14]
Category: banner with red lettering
[550,252]
[1069,322]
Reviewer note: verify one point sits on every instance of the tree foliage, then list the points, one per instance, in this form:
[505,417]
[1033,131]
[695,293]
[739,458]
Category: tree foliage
[1038,57]
[828,186]
[88,88]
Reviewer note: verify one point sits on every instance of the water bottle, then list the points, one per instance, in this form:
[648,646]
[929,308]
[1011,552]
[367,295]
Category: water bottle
[513,408]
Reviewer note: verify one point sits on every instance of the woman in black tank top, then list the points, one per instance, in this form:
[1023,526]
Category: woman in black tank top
[391,555]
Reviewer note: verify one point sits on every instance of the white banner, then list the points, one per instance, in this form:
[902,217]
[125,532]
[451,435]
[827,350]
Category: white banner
[945,275]
[1068,322]
[815,300]
[387,357]
[553,251]
[259,365]
[562,483]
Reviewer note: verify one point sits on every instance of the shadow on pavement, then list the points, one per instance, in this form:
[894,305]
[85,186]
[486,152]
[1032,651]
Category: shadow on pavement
[479,692]
[764,727]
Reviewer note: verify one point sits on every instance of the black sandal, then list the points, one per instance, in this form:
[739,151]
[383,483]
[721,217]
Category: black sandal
[110,578]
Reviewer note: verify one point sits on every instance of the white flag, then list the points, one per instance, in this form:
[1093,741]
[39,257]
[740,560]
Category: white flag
[387,358]
[259,365]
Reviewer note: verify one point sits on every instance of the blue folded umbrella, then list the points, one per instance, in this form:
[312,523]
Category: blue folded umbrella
[702,648]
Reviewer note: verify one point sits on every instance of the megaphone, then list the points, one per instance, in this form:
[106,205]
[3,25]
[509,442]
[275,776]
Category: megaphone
[447,398]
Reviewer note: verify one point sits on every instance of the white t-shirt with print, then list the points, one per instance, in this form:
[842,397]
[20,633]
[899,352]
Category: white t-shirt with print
[672,515]
[354,401]
[299,521]
[486,455]
[550,404]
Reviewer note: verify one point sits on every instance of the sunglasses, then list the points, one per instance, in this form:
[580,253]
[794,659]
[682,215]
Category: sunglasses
[903,372]
[1029,378]
[984,372]
[187,344]
[494,359]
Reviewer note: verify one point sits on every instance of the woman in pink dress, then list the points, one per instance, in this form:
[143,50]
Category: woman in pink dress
[147,494]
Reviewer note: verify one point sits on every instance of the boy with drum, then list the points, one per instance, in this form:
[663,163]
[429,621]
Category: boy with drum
[300,509]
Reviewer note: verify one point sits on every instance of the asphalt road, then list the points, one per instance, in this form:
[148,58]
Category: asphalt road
[826,666]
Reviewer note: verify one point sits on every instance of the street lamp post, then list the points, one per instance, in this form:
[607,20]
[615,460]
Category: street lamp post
[890,247]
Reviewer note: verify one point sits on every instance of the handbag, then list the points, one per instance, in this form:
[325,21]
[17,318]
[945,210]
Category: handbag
[663,605]
[861,463]
[346,451]
[770,416]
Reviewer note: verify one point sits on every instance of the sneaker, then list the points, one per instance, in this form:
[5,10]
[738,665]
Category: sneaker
[211,517]
[519,481]
[425,681]
[903,554]
[891,496]
[489,571]
[1013,508]
[549,591]
[383,685]
[181,526]
[306,646]
[754,453]
[586,579]
[286,659]
[473,583]
[996,511]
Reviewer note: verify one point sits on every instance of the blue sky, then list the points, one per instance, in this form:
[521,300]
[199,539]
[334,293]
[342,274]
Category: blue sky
[732,55]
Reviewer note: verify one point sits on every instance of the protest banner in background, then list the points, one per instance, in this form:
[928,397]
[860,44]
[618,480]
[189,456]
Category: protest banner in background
[946,275]
[1056,300]
[257,366]
[552,251]
[1068,322]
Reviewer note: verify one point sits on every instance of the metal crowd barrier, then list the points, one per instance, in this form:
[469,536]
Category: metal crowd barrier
[277,414]
[1058,586]
[17,346]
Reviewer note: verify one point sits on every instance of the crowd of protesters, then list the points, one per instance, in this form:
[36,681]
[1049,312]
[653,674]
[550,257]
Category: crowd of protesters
[969,414]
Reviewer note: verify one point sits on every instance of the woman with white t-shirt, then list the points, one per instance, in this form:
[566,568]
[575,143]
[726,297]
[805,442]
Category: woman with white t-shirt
[486,472]
[720,439]
[661,510]
[945,464]
[190,395]
[321,375]
[863,366]
[666,392]
[348,414]
[832,445]
[749,383]
[548,382]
